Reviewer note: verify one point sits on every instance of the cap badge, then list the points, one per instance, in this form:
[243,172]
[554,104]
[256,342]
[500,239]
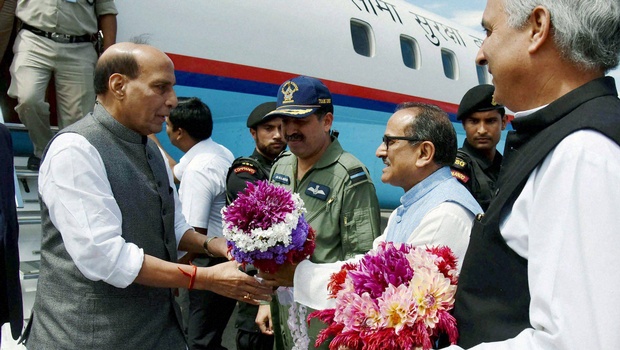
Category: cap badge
[288,89]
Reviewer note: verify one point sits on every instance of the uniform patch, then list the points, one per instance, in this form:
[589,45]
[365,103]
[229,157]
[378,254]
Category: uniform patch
[357,175]
[245,169]
[283,179]
[460,163]
[317,191]
[460,176]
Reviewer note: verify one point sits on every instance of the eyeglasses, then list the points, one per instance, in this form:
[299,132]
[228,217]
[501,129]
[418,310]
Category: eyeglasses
[387,140]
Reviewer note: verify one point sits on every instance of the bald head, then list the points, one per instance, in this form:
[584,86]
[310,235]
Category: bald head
[124,58]
[135,85]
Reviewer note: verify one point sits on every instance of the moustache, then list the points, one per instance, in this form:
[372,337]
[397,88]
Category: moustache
[294,137]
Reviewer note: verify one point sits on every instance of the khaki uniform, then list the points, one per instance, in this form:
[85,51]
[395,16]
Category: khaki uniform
[343,209]
[37,58]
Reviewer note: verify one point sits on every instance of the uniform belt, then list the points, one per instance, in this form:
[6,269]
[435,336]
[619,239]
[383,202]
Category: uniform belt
[61,38]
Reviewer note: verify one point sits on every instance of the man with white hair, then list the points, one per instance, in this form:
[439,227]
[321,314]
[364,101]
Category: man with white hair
[539,272]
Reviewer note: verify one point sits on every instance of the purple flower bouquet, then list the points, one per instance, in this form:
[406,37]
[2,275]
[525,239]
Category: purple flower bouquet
[265,226]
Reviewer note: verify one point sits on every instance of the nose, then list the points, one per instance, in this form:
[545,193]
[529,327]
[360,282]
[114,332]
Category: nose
[482,128]
[278,133]
[381,151]
[480,59]
[172,100]
[288,126]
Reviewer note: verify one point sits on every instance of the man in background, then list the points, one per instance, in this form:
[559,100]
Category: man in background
[202,191]
[478,161]
[269,140]
[340,198]
[269,143]
[57,39]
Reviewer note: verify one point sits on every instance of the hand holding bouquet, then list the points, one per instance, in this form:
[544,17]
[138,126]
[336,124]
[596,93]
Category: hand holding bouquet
[395,297]
[265,226]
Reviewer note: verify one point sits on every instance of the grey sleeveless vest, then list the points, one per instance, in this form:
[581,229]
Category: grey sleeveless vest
[73,312]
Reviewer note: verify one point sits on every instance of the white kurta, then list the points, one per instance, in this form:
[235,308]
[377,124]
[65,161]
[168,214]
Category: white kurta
[447,224]
[74,186]
[565,223]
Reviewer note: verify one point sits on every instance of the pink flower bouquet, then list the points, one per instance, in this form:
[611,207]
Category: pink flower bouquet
[265,226]
[395,297]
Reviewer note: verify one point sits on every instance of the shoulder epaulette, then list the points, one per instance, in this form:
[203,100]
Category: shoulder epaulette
[357,175]
[355,169]
[461,161]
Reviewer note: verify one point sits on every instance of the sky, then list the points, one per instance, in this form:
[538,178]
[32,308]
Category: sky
[469,14]
[464,12]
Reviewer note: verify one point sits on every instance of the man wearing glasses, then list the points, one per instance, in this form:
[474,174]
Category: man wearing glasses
[477,162]
[418,148]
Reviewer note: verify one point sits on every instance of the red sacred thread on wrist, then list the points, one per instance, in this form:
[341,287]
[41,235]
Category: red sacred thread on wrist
[192,276]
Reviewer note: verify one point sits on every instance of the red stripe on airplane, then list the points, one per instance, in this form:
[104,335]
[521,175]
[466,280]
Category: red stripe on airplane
[263,75]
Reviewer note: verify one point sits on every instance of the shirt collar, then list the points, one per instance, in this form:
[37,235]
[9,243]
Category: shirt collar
[201,147]
[418,191]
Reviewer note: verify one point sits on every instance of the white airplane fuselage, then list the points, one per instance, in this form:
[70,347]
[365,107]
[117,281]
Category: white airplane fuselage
[235,54]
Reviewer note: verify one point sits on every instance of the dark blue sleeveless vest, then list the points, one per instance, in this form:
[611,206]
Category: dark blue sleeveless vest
[492,300]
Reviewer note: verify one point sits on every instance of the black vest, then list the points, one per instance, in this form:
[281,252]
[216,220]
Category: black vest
[492,300]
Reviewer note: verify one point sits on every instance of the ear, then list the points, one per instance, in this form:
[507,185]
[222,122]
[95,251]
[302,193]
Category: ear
[426,154]
[504,121]
[253,133]
[117,84]
[328,120]
[181,134]
[540,28]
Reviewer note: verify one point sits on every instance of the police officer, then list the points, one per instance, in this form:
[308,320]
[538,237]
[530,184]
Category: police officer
[269,139]
[478,162]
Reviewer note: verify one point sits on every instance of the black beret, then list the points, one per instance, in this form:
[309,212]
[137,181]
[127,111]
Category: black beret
[477,99]
[256,117]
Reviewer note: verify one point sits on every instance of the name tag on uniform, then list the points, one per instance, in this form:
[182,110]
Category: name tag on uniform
[318,191]
[283,179]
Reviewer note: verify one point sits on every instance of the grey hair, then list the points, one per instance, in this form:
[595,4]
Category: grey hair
[587,32]
[433,124]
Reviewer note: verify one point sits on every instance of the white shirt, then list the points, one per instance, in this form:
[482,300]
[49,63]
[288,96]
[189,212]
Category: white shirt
[565,223]
[447,224]
[73,184]
[202,190]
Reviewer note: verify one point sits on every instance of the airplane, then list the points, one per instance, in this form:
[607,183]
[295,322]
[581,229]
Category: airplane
[233,55]
[371,54]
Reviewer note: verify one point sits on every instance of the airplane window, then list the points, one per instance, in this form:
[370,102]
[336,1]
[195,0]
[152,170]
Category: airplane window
[410,52]
[483,74]
[450,66]
[361,34]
